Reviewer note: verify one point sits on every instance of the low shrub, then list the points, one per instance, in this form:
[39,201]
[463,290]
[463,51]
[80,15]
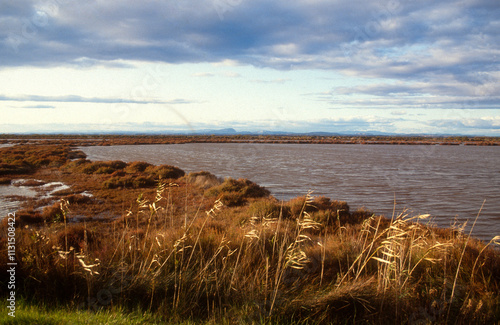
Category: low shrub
[116,164]
[232,199]
[129,182]
[118,182]
[77,198]
[76,154]
[296,205]
[164,172]
[53,213]
[339,206]
[28,216]
[359,216]
[236,192]
[39,156]
[322,209]
[137,167]
[5,181]
[119,173]
[89,168]
[77,164]
[76,236]
[103,167]
[104,170]
[325,217]
[13,169]
[265,209]
[243,186]
[203,179]
[142,181]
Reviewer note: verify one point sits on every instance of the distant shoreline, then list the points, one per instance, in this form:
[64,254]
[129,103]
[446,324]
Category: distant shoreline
[106,140]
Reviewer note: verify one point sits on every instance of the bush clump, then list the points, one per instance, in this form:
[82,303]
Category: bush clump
[77,165]
[118,182]
[137,167]
[76,154]
[323,210]
[40,156]
[236,192]
[143,181]
[330,212]
[164,172]
[13,169]
[266,209]
[103,167]
[77,198]
[203,179]
[53,213]
[105,170]
[360,215]
[28,216]
[76,236]
[5,181]
[129,182]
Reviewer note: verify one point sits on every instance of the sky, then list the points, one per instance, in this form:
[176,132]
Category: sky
[346,66]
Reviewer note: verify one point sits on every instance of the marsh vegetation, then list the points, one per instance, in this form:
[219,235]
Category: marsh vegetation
[194,248]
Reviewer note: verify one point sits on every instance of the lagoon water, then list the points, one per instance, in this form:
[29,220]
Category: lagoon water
[449,182]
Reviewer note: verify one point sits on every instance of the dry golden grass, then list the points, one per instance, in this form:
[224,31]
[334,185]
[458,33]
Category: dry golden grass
[260,265]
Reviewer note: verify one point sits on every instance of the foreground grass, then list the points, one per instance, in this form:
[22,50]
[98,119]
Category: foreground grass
[27,314]
[262,262]
[32,314]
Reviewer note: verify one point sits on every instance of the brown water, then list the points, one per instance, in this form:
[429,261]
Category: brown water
[448,182]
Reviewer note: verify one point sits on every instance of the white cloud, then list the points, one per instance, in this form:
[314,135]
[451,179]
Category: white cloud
[227,63]
[232,74]
[273,81]
[203,74]
[399,113]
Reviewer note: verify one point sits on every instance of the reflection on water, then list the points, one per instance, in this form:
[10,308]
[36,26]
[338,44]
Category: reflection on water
[446,181]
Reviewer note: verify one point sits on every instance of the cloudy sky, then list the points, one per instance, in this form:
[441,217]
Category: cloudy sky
[419,66]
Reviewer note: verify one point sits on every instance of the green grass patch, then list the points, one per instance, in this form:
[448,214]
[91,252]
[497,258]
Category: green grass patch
[40,315]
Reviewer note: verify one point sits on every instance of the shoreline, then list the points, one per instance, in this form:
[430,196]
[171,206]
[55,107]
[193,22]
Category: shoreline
[106,140]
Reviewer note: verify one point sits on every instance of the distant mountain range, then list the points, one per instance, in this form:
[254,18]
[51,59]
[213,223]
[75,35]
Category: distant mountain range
[232,131]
